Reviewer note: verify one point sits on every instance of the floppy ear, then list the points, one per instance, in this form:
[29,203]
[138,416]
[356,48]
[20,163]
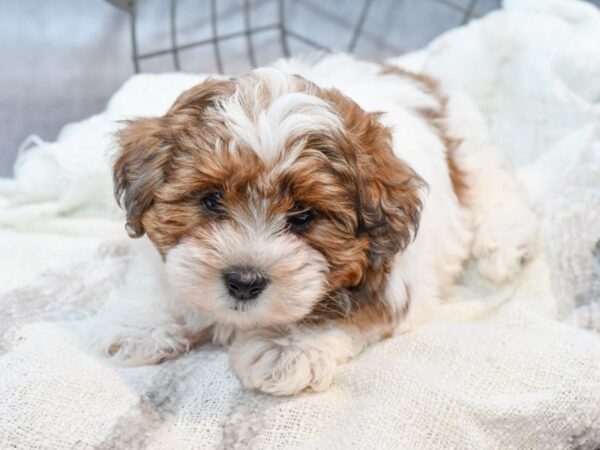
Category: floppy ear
[388,191]
[389,197]
[140,167]
[148,145]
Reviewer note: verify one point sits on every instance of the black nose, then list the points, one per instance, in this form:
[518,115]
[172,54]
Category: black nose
[244,283]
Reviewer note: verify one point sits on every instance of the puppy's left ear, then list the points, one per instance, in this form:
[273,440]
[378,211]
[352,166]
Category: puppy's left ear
[389,194]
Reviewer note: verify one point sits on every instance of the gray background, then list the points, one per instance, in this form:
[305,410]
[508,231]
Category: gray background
[62,59]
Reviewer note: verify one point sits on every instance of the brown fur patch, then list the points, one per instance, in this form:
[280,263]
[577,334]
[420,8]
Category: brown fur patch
[149,145]
[436,118]
[388,190]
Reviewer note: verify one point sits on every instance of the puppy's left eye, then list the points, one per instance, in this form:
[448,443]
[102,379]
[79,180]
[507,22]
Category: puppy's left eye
[298,221]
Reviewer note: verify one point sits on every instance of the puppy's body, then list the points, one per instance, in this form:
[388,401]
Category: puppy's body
[271,151]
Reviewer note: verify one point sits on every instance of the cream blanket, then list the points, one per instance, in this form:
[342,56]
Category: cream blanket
[523,375]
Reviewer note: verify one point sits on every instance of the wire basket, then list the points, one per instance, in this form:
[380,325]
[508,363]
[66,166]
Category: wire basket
[249,31]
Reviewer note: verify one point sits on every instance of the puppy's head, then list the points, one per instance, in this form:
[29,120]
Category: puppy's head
[266,195]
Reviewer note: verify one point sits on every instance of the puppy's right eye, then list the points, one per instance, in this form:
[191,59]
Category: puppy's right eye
[300,218]
[213,202]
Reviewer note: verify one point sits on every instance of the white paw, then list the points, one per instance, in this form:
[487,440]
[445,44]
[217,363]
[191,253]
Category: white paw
[281,366]
[504,242]
[131,346]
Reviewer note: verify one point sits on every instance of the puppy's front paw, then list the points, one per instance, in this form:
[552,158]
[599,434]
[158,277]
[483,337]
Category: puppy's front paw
[280,365]
[504,242]
[131,346]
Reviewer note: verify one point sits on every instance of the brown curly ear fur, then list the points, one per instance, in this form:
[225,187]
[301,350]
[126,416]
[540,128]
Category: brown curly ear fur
[389,201]
[139,169]
[147,147]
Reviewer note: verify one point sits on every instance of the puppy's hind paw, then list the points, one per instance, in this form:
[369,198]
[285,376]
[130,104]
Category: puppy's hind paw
[504,242]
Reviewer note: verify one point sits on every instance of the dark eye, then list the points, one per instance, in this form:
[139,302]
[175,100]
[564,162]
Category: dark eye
[300,217]
[212,202]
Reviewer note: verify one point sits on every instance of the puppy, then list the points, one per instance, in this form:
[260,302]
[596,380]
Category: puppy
[299,213]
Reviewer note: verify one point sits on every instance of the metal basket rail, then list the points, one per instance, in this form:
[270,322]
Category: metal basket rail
[248,31]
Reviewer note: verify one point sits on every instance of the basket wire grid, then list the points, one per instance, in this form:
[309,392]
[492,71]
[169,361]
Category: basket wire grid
[285,33]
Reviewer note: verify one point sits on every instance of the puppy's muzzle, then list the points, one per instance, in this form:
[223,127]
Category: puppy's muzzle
[244,283]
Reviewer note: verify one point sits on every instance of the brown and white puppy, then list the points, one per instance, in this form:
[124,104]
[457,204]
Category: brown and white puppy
[285,215]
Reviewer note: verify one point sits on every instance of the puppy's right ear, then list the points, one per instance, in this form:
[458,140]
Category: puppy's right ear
[147,147]
[140,167]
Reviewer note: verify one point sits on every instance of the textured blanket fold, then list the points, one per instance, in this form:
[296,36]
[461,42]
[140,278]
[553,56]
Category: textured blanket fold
[526,374]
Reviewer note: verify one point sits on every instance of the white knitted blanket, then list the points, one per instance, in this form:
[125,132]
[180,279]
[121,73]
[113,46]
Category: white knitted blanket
[524,375]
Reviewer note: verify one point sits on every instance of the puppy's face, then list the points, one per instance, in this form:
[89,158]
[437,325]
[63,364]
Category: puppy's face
[266,196]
